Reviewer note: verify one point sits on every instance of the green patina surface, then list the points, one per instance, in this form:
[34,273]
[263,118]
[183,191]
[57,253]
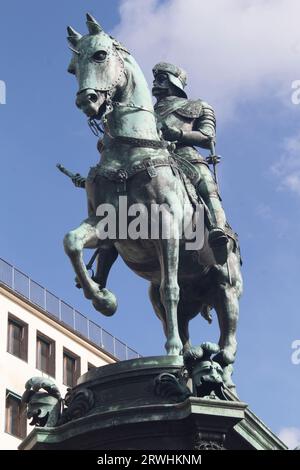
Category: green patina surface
[113,90]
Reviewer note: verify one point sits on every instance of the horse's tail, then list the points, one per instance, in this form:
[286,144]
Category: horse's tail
[205,312]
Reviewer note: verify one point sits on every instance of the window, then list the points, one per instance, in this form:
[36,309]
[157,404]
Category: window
[15,416]
[45,354]
[17,337]
[71,367]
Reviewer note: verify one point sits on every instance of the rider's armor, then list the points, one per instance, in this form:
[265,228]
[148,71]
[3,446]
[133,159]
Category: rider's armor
[196,123]
[187,115]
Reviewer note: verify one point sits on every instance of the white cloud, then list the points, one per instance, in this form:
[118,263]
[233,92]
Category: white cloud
[233,50]
[264,211]
[292,182]
[287,168]
[290,436]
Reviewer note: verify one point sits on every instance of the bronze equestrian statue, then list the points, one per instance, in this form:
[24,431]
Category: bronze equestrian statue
[135,161]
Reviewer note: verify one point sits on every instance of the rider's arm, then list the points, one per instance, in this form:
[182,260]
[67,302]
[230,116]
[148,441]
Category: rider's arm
[204,129]
[78,181]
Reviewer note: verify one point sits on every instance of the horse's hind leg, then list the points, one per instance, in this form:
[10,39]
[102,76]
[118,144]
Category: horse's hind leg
[227,309]
[85,236]
[183,327]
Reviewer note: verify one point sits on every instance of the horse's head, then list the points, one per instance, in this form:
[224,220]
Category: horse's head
[98,66]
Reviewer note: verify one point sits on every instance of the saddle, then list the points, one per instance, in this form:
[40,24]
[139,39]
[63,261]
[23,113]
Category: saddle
[121,175]
[188,176]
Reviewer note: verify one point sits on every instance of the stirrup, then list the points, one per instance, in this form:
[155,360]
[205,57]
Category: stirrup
[217,238]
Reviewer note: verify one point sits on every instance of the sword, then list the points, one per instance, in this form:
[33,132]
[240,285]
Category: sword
[213,160]
[66,172]
[89,267]
[80,183]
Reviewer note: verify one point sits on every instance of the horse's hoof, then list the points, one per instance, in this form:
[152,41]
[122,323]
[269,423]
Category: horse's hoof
[224,358]
[211,348]
[217,238]
[173,347]
[195,352]
[105,302]
[174,352]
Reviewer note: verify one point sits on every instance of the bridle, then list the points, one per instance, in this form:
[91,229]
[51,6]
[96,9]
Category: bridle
[110,106]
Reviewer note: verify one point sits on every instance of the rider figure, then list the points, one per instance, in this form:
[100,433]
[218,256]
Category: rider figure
[190,124]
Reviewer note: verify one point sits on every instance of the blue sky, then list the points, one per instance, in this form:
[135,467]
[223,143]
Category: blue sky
[258,137]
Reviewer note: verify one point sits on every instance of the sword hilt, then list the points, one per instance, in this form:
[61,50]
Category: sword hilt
[213,150]
[213,160]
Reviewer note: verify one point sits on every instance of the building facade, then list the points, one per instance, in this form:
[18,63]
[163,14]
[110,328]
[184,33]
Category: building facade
[41,335]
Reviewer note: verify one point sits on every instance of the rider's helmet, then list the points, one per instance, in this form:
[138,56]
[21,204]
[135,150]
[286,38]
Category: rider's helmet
[176,75]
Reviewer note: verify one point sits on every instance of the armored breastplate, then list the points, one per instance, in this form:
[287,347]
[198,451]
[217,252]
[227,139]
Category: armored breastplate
[181,114]
[178,112]
[175,120]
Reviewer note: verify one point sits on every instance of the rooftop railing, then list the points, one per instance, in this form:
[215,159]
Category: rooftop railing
[63,312]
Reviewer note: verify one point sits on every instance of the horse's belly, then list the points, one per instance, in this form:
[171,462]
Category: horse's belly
[140,257]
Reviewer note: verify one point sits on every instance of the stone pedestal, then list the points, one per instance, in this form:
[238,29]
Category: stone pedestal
[145,404]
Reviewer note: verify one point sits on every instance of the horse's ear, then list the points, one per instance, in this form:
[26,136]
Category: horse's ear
[93,25]
[73,36]
[72,67]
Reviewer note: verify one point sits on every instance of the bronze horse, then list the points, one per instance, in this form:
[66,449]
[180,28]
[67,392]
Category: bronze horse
[183,283]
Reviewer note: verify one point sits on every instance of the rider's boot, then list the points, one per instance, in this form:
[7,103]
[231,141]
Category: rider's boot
[217,238]
[217,235]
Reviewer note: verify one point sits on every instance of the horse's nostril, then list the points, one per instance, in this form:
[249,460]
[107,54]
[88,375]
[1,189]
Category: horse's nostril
[93,97]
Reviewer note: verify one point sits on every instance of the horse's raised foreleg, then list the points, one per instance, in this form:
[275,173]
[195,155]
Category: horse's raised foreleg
[85,236]
[169,292]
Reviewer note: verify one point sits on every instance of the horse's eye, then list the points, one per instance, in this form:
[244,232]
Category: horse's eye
[99,56]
